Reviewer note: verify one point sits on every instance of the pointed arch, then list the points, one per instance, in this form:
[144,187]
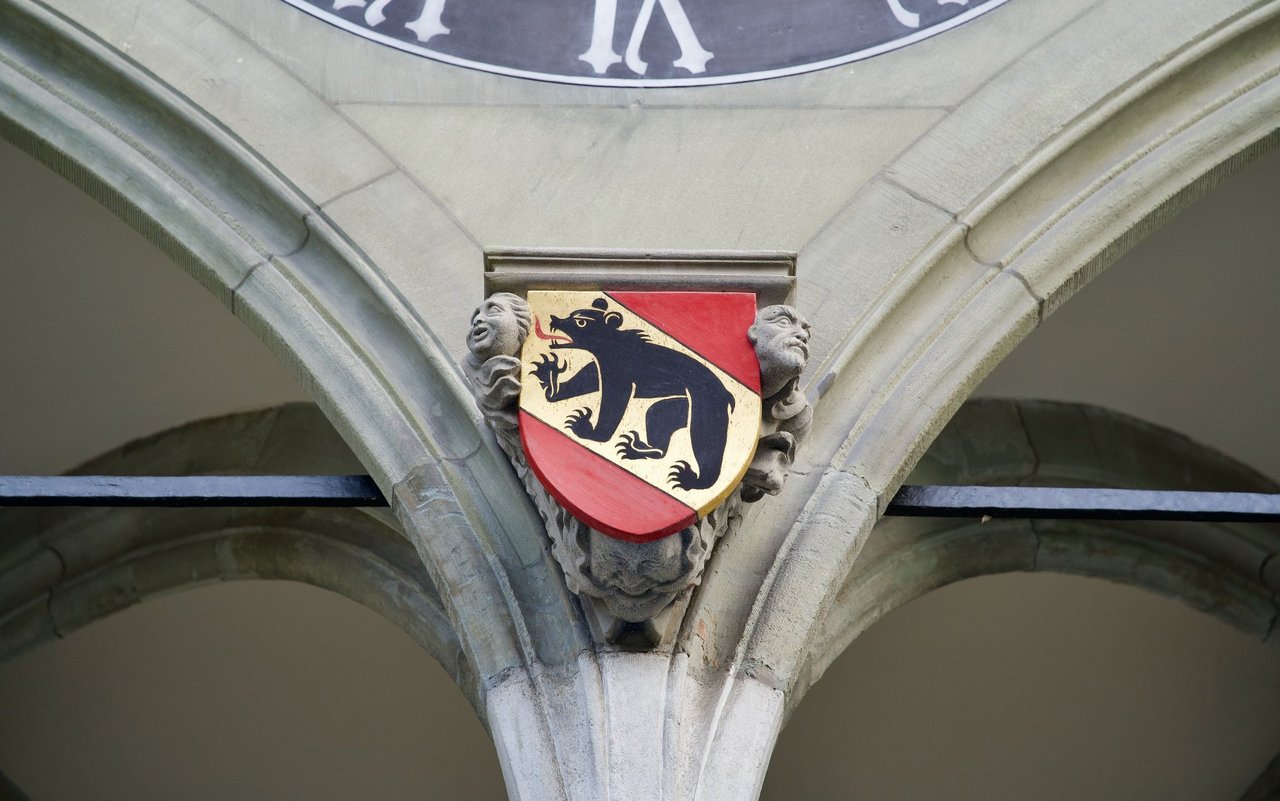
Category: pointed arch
[257,241]
[1223,569]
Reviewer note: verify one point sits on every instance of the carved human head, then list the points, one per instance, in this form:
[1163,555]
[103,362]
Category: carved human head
[781,339]
[498,326]
[635,581]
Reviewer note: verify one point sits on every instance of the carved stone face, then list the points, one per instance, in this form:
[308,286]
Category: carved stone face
[781,339]
[498,326]
[637,581]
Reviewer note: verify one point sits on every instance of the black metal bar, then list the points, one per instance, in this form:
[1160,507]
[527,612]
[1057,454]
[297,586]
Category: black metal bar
[189,491]
[911,501]
[1084,504]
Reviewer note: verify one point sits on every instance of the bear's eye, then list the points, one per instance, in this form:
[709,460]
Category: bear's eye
[581,322]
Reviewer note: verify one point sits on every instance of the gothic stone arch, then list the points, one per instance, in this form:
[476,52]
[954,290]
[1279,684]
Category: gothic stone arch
[64,568]
[337,195]
[1223,569]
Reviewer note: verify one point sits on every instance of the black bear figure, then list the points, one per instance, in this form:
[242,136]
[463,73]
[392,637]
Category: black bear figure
[628,365]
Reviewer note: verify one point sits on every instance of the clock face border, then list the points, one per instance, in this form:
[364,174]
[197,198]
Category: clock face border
[620,41]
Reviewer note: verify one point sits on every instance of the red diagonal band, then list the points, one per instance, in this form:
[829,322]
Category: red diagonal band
[598,492]
[711,324]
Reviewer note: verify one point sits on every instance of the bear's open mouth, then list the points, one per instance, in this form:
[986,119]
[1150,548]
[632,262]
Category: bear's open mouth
[556,339]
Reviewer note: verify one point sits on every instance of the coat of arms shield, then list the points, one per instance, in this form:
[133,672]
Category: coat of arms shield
[640,411]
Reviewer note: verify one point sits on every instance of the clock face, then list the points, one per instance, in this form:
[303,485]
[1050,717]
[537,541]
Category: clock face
[646,42]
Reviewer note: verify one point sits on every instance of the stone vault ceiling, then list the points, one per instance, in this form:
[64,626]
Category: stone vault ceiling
[999,688]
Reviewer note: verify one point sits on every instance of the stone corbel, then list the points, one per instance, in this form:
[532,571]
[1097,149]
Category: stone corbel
[635,594]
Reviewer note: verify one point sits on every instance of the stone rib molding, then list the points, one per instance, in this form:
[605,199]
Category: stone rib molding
[63,568]
[967,255]
[950,317]
[1214,568]
[243,230]
[770,275]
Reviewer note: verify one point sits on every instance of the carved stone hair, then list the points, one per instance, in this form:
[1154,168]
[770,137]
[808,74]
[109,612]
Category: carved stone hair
[519,310]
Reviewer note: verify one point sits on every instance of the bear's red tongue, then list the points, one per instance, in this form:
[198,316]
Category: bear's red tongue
[537,329]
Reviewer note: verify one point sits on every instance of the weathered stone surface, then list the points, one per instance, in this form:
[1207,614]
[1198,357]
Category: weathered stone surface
[850,264]
[638,725]
[905,558]
[94,157]
[911,306]
[1043,105]
[985,443]
[419,246]
[64,568]
[1222,569]
[1184,573]
[739,179]
[937,380]
[212,64]
[945,198]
